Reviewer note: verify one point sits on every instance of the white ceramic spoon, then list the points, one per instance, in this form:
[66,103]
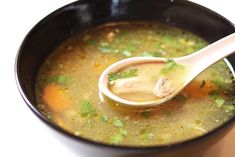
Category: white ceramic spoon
[197,61]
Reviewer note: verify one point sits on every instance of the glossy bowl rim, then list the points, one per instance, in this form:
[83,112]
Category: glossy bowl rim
[102,144]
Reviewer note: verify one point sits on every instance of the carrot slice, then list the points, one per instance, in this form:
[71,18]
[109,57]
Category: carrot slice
[55,97]
[194,90]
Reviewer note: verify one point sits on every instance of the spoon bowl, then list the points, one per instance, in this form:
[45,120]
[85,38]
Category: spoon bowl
[195,62]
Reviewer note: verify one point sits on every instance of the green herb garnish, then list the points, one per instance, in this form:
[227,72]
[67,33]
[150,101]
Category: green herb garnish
[151,54]
[60,79]
[219,102]
[229,108]
[87,109]
[147,136]
[119,137]
[121,75]
[116,139]
[169,66]
[217,98]
[219,81]
[104,118]
[117,122]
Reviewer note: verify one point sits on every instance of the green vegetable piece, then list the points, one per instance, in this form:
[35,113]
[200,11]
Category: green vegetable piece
[219,81]
[119,137]
[229,108]
[117,122]
[151,54]
[116,139]
[145,114]
[148,136]
[169,66]
[60,79]
[219,102]
[123,132]
[203,84]
[121,75]
[87,109]
[104,118]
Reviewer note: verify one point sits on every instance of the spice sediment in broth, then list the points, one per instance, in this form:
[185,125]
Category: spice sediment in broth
[67,87]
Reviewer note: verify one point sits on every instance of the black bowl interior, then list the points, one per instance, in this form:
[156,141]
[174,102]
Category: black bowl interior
[71,19]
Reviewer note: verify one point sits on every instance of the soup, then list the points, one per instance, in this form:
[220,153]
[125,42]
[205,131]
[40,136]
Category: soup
[67,87]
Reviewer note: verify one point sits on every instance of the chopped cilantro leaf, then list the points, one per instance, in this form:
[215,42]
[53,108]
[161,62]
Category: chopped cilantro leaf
[117,122]
[116,139]
[121,75]
[119,137]
[147,136]
[219,102]
[104,118]
[169,66]
[123,132]
[151,54]
[219,81]
[60,79]
[87,109]
[229,108]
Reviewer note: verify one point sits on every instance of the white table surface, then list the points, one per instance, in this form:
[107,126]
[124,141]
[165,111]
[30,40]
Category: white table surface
[21,133]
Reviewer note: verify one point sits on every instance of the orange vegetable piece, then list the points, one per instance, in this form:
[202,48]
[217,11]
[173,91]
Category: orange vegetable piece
[55,97]
[193,89]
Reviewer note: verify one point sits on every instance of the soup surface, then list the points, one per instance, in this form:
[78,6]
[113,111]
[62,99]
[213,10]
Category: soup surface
[67,87]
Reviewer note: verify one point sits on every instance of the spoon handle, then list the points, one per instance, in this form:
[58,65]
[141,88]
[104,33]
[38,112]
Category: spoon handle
[209,55]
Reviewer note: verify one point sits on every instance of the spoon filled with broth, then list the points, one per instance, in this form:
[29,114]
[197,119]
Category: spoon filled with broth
[151,81]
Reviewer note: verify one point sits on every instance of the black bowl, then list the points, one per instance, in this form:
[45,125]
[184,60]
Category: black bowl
[77,16]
